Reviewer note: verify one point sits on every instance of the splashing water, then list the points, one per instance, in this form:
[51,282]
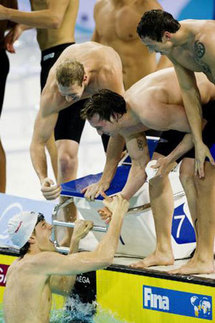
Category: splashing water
[78,312]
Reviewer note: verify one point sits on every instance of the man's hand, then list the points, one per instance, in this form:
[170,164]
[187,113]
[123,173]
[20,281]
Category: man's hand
[11,37]
[112,204]
[201,153]
[81,229]
[105,214]
[94,190]
[163,166]
[49,190]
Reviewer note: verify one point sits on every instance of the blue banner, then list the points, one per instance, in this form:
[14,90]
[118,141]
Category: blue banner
[176,302]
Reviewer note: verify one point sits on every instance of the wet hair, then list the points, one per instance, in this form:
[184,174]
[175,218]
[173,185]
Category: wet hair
[154,23]
[70,72]
[25,248]
[105,103]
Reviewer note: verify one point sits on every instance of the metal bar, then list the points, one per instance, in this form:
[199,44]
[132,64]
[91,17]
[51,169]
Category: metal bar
[138,209]
[71,225]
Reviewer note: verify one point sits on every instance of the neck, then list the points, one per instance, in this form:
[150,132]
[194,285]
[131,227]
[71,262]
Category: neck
[181,37]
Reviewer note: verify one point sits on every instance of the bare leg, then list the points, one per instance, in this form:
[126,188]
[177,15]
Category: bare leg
[187,181]
[67,171]
[2,169]
[162,204]
[202,261]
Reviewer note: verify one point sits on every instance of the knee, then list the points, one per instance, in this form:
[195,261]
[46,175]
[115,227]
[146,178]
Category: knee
[67,161]
[157,183]
[186,178]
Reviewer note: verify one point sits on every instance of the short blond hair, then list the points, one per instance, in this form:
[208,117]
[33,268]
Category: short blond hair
[70,72]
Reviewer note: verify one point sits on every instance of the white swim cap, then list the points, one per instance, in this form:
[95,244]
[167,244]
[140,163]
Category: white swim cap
[21,227]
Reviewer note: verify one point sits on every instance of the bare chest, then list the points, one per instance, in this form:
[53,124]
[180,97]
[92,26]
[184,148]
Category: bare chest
[117,23]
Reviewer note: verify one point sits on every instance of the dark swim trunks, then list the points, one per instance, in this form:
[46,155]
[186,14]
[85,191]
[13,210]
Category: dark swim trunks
[3,76]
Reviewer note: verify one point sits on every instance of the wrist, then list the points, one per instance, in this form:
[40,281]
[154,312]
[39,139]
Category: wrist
[7,13]
[75,241]
[124,196]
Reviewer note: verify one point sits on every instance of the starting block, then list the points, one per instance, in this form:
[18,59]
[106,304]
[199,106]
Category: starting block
[138,238]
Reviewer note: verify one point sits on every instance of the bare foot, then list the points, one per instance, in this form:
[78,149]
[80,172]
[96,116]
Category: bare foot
[155,259]
[194,266]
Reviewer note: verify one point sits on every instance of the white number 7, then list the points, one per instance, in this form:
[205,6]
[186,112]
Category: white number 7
[181,218]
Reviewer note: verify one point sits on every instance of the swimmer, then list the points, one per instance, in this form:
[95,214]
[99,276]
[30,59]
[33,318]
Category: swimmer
[115,26]
[80,71]
[189,46]
[149,106]
[41,270]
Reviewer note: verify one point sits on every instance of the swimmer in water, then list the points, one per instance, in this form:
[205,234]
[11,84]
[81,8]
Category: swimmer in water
[41,270]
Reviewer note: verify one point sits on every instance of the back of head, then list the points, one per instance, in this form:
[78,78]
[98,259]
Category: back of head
[105,103]
[70,72]
[21,227]
[155,22]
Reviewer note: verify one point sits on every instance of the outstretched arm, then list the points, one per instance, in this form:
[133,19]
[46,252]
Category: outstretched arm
[51,263]
[51,17]
[63,284]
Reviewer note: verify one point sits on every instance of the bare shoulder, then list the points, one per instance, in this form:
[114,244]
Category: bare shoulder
[108,54]
[12,268]
[43,261]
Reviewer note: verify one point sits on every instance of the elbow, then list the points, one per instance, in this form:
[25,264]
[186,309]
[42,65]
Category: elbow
[105,262]
[55,22]
[108,261]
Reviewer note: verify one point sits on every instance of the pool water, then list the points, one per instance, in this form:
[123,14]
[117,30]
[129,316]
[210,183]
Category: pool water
[82,316]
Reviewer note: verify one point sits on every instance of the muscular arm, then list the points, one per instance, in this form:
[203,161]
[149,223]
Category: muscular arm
[61,284]
[192,100]
[192,104]
[51,17]
[12,4]
[43,129]
[138,151]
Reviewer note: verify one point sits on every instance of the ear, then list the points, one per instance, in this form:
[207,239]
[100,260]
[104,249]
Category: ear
[32,239]
[85,77]
[116,116]
[167,35]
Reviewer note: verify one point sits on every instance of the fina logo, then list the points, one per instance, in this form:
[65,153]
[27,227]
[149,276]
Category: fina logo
[201,306]
[155,301]
[177,302]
